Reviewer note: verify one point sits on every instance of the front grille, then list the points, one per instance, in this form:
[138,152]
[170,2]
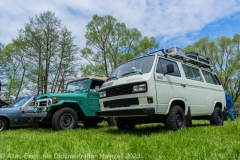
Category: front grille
[121,103]
[121,90]
[44,103]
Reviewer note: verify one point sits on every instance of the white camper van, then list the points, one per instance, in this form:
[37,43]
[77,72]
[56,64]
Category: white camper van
[170,88]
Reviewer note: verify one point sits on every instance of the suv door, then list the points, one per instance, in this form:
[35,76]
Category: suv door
[94,96]
[169,86]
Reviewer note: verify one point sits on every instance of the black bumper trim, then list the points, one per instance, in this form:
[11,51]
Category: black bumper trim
[127,112]
[43,114]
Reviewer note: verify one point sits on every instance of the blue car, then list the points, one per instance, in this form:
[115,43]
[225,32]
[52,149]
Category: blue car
[10,115]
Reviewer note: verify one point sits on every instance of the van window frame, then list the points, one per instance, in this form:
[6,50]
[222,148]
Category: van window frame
[172,62]
[212,76]
[192,67]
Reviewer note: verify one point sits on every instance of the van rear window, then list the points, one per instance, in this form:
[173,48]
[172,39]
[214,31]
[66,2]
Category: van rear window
[209,78]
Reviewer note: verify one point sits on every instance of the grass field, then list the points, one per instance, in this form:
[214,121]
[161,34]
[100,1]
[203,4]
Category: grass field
[151,141]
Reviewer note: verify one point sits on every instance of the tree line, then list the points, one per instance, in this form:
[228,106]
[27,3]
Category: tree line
[225,55]
[43,56]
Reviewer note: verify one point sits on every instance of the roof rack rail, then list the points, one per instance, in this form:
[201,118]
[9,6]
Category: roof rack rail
[191,57]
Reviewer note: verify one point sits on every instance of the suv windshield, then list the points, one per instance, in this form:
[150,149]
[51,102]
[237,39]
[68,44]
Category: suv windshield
[77,85]
[141,65]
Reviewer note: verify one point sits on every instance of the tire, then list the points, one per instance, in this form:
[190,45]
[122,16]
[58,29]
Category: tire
[176,118]
[112,121]
[64,119]
[123,125]
[34,123]
[217,117]
[90,124]
[4,125]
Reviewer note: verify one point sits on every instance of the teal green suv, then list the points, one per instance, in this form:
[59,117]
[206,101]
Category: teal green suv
[63,111]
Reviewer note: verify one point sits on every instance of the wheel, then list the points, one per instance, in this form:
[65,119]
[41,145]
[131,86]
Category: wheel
[64,119]
[4,125]
[112,121]
[90,124]
[176,118]
[123,125]
[217,117]
[34,123]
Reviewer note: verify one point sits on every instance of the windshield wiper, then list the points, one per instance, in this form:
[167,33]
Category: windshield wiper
[114,77]
[131,73]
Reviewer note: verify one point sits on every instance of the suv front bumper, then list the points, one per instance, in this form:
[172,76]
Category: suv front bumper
[127,112]
[43,114]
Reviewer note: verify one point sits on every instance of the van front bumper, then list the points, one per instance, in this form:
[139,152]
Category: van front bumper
[126,112]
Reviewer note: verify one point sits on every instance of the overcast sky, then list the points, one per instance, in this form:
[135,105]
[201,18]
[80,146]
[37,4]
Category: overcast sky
[172,22]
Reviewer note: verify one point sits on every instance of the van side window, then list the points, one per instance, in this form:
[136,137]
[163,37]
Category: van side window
[192,73]
[162,67]
[209,77]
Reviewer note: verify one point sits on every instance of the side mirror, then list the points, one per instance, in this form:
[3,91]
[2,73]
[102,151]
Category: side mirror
[96,88]
[170,69]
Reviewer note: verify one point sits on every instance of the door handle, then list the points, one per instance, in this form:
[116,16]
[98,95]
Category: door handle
[183,85]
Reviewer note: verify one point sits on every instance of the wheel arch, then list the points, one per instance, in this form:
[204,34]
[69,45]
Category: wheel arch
[218,104]
[75,106]
[3,116]
[178,102]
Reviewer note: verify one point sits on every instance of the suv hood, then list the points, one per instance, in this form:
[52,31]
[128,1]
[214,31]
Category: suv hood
[59,95]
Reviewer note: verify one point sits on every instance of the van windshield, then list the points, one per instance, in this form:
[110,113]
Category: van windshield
[136,66]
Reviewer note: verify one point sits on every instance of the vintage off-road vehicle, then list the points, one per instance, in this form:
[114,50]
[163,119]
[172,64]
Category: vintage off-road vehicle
[64,110]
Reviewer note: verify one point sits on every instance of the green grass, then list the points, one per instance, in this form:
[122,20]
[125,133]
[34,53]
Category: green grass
[151,141]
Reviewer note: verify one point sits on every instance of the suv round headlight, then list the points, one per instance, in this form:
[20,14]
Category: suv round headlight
[36,104]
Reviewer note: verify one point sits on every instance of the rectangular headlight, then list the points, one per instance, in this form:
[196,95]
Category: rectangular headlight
[139,88]
[102,94]
[142,87]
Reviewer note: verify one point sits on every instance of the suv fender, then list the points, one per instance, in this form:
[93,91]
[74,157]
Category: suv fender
[74,105]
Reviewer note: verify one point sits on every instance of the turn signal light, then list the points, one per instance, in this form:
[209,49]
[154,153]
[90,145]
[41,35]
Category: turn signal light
[55,100]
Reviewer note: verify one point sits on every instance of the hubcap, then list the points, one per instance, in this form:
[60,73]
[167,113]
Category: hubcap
[219,119]
[179,121]
[66,120]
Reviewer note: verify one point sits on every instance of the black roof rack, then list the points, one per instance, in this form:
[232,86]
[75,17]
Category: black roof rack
[191,57]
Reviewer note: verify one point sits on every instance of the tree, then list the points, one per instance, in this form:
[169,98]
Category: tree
[110,43]
[12,69]
[2,71]
[49,51]
[225,55]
